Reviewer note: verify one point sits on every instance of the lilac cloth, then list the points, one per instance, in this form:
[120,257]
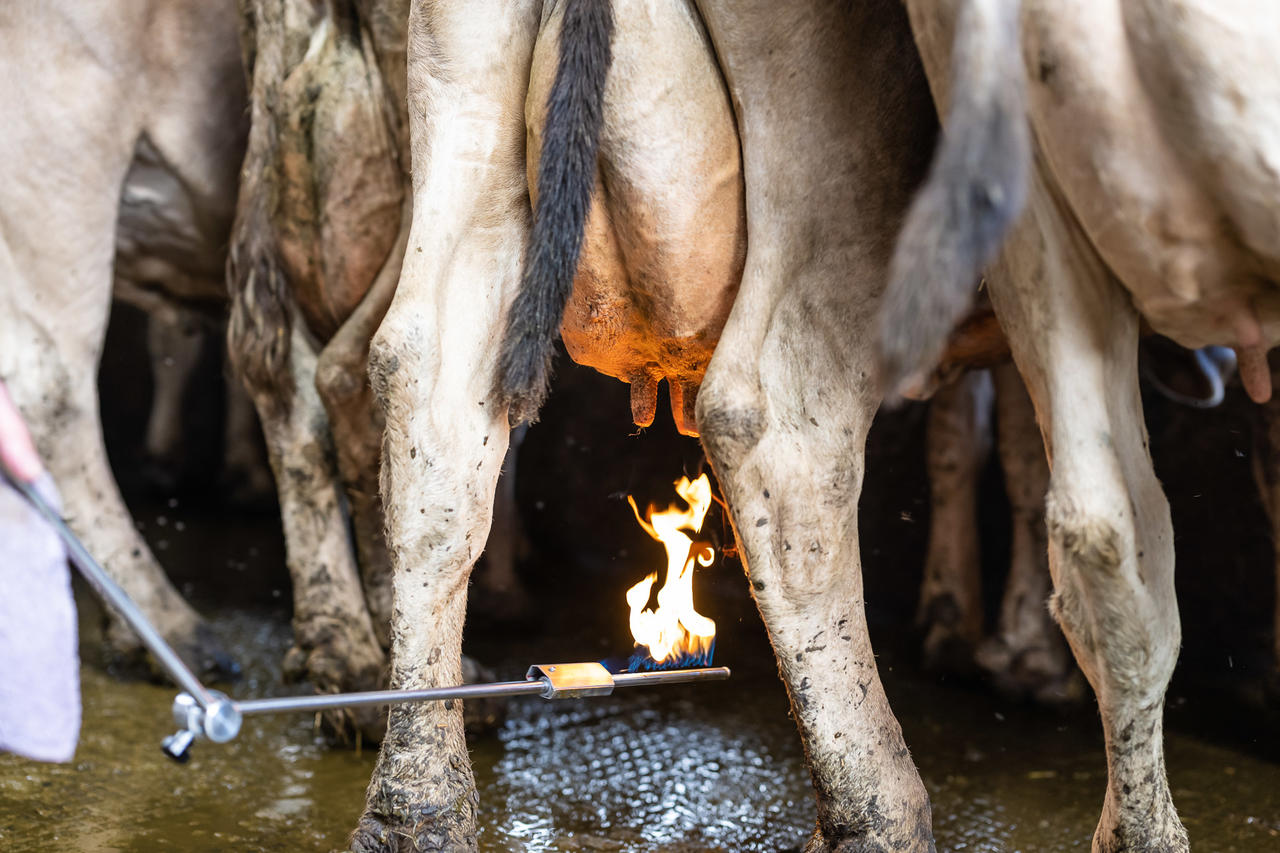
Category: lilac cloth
[39,662]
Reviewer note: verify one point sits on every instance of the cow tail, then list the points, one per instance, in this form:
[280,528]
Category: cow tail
[976,187]
[566,178]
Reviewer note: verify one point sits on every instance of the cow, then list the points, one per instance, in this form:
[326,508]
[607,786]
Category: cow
[316,252]
[1116,162]
[91,92]
[740,258]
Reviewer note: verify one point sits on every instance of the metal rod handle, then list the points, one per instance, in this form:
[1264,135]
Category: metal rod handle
[531,687]
[324,702]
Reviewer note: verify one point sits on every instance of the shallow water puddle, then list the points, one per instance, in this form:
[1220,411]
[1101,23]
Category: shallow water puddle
[708,768]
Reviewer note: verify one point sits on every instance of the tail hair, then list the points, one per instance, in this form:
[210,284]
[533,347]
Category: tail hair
[975,190]
[566,178]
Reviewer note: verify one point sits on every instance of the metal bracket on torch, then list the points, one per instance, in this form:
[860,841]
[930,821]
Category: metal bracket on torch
[201,713]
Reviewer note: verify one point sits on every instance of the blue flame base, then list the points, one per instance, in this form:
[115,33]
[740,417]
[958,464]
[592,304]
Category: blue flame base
[641,661]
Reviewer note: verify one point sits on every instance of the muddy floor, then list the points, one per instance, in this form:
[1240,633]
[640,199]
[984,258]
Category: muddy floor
[712,768]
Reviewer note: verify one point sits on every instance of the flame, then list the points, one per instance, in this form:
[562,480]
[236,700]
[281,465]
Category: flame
[675,634]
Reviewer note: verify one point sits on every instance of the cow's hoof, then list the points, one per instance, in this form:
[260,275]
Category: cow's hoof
[375,836]
[947,647]
[1033,673]
[250,490]
[918,841]
[198,646]
[948,652]
[401,818]
[330,671]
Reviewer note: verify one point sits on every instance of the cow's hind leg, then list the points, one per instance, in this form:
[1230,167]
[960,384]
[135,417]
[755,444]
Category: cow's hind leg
[334,646]
[957,440]
[58,210]
[1074,335]
[342,379]
[433,365]
[51,373]
[789,395]
[175,341]
[1266,473]
[334,642]
[1027,656]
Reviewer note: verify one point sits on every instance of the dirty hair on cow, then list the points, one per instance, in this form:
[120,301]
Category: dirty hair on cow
[260,325]
[975,190]
[566,178]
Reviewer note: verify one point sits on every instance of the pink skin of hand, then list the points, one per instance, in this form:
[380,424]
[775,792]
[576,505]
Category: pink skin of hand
[17,451]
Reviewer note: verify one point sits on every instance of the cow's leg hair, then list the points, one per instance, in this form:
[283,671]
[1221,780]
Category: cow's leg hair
[1027,656]
[175,340]
[790,392]
[342,379]
[433,366]
[957,439]
[1073,332]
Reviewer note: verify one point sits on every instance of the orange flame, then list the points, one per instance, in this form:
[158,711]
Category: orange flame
[675,631]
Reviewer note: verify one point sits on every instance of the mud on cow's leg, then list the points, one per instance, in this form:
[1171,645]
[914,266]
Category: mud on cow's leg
[1027,656]
[433,365]
[957,440]
[342,380]
[1073,332]
[334,643]
[790,393]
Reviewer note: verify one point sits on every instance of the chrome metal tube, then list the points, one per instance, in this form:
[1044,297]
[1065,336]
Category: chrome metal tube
[324,702]
[114,595]
[671,676]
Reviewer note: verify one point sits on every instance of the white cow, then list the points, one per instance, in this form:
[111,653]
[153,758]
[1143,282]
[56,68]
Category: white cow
[1145,140]
[830,116]
[87,90]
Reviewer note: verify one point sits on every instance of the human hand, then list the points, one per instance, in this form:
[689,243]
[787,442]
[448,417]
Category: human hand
[17,452]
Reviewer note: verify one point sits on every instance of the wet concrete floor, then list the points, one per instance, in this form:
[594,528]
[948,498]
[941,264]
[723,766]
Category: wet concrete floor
[712,768]
[716,767]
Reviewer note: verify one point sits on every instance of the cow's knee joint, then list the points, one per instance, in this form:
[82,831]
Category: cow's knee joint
[387,354]
[731,424]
